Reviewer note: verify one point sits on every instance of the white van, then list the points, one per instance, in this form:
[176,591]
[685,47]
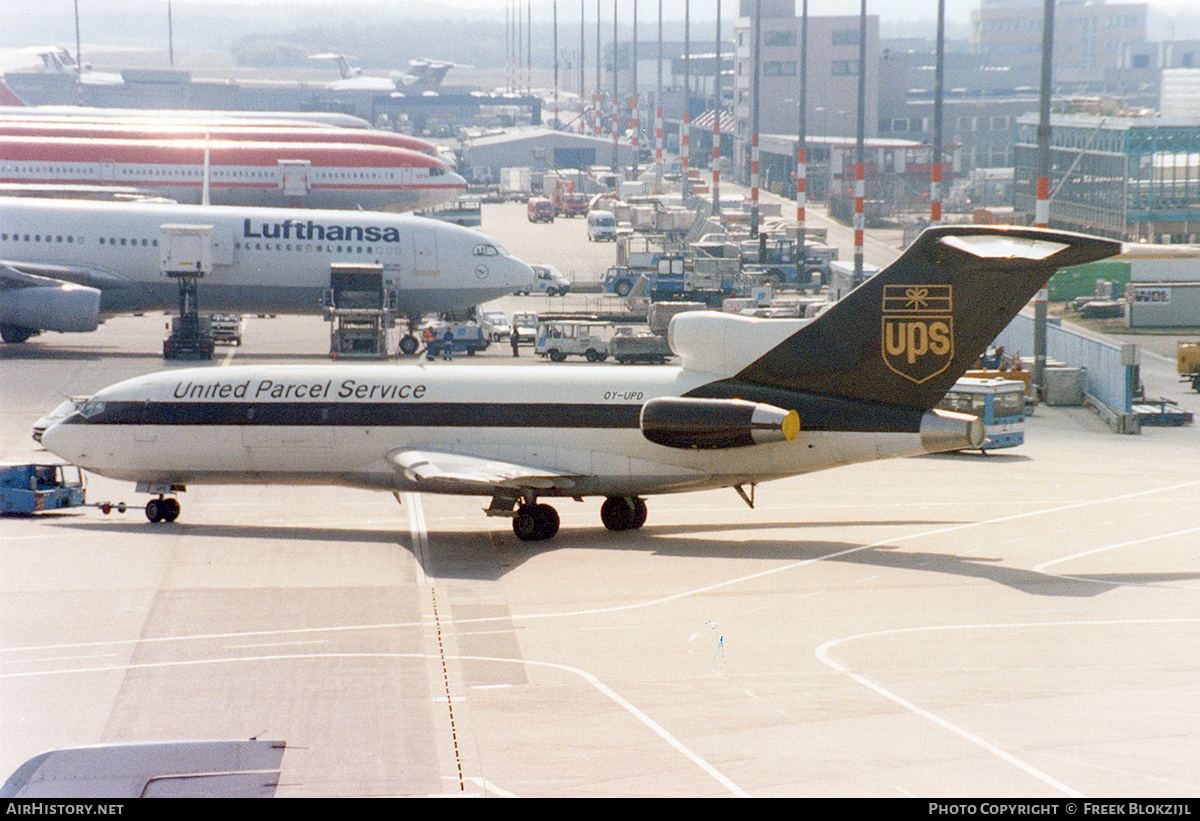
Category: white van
[601,226]
[547,280]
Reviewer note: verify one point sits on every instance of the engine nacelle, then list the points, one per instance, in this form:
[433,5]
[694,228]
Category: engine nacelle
[59,307]
[710,424]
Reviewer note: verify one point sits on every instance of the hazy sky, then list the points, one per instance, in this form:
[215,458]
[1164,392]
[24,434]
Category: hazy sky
[956,10]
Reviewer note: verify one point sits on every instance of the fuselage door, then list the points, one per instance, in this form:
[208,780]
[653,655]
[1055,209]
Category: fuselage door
[424,253]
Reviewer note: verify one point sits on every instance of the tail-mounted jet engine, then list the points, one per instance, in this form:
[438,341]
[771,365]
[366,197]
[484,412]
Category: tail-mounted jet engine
[709,424]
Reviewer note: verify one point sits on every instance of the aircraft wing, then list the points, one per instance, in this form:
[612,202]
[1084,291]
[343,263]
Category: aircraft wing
[439,472]
[21,274]
[37,297]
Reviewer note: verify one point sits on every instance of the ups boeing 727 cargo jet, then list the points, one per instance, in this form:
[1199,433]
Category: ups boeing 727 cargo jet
[752,400]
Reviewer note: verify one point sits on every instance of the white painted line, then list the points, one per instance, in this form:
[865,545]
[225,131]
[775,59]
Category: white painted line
[823,654]
[598,685]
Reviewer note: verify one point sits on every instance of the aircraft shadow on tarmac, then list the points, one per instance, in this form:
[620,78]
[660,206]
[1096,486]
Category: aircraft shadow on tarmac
[489,555]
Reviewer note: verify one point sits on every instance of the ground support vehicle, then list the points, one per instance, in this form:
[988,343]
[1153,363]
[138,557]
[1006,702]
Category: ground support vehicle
[465,211]
[547,280]
[29,488]
[526,324]
[999,404]
[631,345]
[360,311]
[516,183]
[226,329]
[601,226]
[190,338]
[466,337]
[539,209]
[495,326]
[1187,363]
[704,279]
[558,340]
[620,279]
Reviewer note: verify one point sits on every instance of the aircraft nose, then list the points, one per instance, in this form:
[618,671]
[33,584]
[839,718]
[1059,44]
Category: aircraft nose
[56,439]
[522,277]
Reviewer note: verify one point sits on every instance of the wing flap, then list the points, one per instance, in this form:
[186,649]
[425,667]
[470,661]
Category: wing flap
[439,472]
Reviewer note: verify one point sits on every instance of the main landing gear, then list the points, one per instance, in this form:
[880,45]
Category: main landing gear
[163,509]
[623,512]
[533,522]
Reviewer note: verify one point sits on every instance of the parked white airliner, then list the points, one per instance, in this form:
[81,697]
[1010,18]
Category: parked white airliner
[752,400]
[67,264]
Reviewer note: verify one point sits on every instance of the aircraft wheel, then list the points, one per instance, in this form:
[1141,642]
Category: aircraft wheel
[535,522]
[525,524]
[547,520]
[617,513]
[16,334]
[154,510]
[170,509]
[639,513]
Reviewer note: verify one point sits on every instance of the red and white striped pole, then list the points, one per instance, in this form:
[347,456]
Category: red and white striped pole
[860,221]
[801,192]
[685,147]
[1041,208]
[935,194]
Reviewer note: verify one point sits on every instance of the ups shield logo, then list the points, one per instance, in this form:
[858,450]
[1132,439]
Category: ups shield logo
[918,330]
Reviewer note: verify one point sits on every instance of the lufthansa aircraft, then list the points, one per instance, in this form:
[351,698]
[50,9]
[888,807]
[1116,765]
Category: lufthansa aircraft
[67,264]
[753,400]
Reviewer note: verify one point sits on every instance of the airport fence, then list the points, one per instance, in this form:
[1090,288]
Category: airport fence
[1110,369]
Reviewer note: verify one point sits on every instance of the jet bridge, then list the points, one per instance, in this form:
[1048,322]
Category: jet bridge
[360,311]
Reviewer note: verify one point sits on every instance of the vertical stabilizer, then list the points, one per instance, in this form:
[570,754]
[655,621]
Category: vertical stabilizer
[904,337]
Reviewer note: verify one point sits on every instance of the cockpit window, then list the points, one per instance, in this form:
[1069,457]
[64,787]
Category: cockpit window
[91,409]
[486,250]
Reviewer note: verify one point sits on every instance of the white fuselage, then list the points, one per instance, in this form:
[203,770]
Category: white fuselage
[264,260]
[337,424]
[237,172]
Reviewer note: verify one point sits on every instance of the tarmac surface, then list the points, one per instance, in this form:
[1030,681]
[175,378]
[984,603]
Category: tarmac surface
[1015,625]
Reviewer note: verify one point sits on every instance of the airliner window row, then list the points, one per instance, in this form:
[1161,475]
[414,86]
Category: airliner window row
[5,237]
[316,248]
[70,240]
[271,174]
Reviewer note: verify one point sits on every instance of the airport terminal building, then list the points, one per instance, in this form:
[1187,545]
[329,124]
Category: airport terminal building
[1133,178]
